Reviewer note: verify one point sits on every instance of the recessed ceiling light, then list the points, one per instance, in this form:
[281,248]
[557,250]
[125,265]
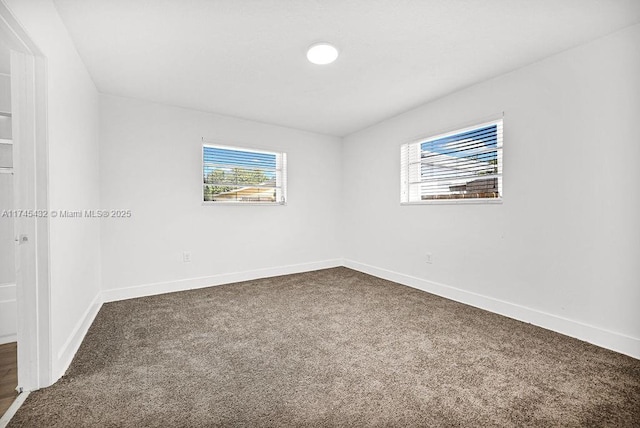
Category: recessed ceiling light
[322,53]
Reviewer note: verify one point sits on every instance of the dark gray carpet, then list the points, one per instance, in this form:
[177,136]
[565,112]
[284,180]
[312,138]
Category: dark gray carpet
[329,348]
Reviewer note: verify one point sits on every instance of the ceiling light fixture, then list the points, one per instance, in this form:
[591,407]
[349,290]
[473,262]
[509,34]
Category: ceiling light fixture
[322,53]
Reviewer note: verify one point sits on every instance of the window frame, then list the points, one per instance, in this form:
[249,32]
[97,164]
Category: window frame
[279,155]
[404,187]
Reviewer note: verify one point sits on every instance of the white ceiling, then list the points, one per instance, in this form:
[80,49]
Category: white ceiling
[246,58]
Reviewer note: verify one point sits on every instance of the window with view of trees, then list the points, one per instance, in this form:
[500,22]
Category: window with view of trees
[462,165]
[240,175]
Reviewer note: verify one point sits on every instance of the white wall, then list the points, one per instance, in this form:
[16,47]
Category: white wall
[150,163]
[72,112]
[565,244]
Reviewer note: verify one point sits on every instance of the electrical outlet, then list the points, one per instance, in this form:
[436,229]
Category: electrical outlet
[186,256]
[429,258]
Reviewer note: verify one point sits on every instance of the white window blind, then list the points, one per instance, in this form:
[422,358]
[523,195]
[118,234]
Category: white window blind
[462,165]
[239,175]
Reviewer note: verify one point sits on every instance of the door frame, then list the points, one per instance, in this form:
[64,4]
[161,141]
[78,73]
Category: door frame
[31,194]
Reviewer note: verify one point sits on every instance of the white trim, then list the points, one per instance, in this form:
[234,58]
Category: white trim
[11,306]
[68,350]
[8,338]
[210,281]
[485,201]
[213,145]
[11,411]
[595,335]
[241,145]
[31,187]
[8,310]
[232,203]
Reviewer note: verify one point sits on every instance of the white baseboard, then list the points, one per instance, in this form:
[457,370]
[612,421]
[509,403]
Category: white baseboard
[11,411]
[209,281]
[595,335]
[68,350]
[588,333]
[8,338]
[71,346]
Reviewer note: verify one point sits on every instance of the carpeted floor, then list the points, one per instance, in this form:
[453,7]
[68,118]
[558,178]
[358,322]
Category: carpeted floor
[329,348]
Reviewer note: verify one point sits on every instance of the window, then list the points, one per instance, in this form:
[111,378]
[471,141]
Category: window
[463,165]
[238,175]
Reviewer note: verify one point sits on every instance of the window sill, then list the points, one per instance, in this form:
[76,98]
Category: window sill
[455,202]
[262,204]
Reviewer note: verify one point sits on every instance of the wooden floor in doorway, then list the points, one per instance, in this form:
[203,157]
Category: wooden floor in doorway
[8,375]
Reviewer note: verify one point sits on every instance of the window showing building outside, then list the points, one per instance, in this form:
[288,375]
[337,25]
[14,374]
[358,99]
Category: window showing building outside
[461,165]
[238,175]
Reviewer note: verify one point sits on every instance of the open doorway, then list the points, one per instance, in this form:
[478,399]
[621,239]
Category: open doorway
[8,304]
[24,263]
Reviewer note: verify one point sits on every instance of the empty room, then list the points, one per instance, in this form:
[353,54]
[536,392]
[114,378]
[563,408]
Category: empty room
[319,213]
